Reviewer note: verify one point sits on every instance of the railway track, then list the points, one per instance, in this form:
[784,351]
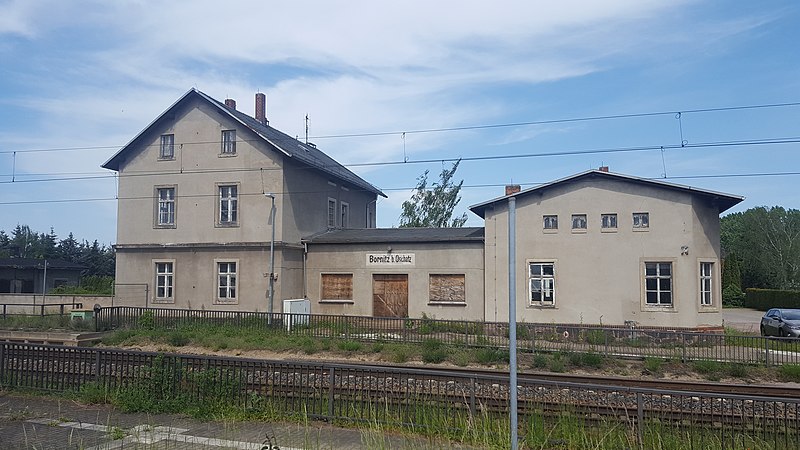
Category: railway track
[315,386]
[784,391]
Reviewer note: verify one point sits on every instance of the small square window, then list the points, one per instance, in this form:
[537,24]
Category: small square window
[550,222]
[641,220]
[608,221]
[579,221]
[167,150]
[228,142]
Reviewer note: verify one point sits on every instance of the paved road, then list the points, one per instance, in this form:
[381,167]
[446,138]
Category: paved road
[28,422]
[742,319]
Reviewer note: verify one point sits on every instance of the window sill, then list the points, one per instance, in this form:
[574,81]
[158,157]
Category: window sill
[608,230]
[447,304]
[550,231]
[541,307]
[227,225]
[164,301]
[708,309]
[656,308]
[640,230]
[226,155]
[338,302]
[166,159]
[579,231]
[160,227]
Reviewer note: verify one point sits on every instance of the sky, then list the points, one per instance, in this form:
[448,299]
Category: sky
[700,93]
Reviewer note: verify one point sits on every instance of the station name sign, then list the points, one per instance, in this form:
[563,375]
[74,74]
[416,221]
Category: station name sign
[390,259]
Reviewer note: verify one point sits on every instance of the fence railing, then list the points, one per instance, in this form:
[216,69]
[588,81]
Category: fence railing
[616,341]
[41,309]
[410,397]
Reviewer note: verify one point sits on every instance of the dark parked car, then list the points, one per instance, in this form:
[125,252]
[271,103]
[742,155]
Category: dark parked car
[781,322]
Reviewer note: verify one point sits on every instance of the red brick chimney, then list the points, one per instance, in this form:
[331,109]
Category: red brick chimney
[512,189]
[261,108]
[603,169]
[230,103]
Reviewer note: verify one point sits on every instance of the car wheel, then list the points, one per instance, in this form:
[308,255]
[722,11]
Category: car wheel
[785,333]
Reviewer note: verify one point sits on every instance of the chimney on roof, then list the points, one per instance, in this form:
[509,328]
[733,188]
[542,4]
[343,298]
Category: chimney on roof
[512,189]
[603,169]
[261,108]
[230,103]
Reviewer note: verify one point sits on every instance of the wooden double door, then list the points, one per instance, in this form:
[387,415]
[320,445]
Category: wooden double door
[390,295]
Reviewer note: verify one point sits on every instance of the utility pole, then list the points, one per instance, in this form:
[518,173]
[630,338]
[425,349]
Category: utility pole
[271,289]
[512,317]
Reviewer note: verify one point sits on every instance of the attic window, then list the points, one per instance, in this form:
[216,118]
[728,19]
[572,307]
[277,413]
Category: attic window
[228,142]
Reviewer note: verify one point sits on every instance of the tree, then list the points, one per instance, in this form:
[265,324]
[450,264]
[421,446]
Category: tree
[434,207]
[766,240]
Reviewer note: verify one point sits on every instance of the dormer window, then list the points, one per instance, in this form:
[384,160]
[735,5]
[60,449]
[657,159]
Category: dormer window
[228,142]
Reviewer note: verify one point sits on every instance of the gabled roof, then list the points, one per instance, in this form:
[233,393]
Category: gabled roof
[33,263]
[390,235]
[724,201]
[290,147]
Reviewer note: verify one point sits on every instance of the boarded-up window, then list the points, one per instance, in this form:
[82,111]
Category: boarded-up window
[337,286]
[447,288]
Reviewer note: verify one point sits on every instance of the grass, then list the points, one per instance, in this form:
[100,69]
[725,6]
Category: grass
[790,372]
[44,323]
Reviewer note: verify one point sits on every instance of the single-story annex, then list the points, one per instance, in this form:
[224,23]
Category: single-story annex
[217,210]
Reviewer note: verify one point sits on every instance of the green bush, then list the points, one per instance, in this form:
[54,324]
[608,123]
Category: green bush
[147,320]
[585,359]
[790,372]
[596,337]
[557,364]
[178,339]
[433,351]
[350,346]
[764,299]
[488,355]
[90,285]
[732,296]
[653,365]
[400,354]
[539,361]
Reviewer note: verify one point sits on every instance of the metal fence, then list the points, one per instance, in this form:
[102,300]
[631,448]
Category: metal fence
[411,397]
[616,341]
[41,309]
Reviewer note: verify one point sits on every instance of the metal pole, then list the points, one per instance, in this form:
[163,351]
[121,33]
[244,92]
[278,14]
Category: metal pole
[44,283]
[271,291]
[512,317]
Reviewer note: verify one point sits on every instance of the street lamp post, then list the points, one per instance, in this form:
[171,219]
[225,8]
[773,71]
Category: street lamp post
[271,291]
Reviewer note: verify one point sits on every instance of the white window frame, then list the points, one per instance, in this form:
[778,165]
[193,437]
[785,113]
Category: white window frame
[641,221]
[608,221]
[228,211]
[167,274]
[170,203]
[331,212]
[707,284]
[577,221]
[231,284]
[550,222]
[659,278]
[166,150]
[228,143]
[344,209]
[546,283]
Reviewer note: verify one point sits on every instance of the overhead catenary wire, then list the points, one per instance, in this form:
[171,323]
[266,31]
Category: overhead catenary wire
[677,113]
[391,189]
[576,152]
